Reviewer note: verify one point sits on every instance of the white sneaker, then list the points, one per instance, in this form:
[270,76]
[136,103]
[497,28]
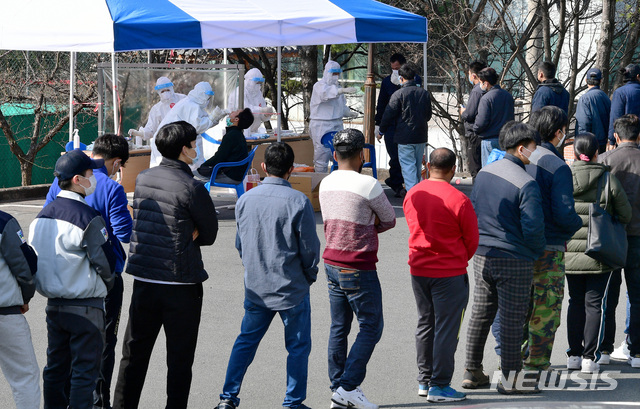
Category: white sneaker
[574,362]
[588,366]
[622,352]
[634,361]
[605,358]
[352,399]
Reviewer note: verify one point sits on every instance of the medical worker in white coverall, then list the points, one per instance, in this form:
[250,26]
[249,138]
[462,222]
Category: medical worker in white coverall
[168,99]
[328,107]
[196,110]
[253,100]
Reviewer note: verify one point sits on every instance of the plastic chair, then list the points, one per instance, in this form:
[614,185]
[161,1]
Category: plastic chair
[69,146]
[327,141]
[239,187]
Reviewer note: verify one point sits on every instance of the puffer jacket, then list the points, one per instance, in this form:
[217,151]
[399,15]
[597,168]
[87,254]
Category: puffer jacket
[585,186]
[410,110]
[168,206]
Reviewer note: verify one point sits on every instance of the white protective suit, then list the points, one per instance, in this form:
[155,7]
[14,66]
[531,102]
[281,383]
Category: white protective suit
[254,100]
[168,99]
[328,107]
[191,110]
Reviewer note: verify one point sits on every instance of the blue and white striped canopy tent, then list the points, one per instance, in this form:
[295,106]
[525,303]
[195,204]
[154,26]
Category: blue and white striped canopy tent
[127,25]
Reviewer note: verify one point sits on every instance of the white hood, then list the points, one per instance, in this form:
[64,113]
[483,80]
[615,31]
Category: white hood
[201,93]
[327,76]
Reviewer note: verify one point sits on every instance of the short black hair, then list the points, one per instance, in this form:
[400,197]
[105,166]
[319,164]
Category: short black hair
[278,159]
[627,127]
[488,74]
[477,66]
[397,57]
[548,69]
[593,82]
[548,120]
[172,137]
[348,143]
[442,159]
[245,118]
[408,71]
[503,131]
[630,72]
[585,144]
[109,146]
[518,134]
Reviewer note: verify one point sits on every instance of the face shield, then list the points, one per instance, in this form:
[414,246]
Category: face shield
[331,73]
[164,88]
[210,104]
[202,94]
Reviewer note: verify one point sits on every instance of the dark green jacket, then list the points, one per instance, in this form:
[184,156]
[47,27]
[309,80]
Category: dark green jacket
[585,185]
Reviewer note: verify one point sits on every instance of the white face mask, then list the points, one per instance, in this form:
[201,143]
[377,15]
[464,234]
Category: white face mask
[114,170]
[395,77]
[92,185]
[564,136]
[165,96]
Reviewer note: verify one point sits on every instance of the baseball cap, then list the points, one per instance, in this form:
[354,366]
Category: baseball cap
[594,74]
[73,163]
[348,140]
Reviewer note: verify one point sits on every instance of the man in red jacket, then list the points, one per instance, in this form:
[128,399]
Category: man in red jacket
[443,236]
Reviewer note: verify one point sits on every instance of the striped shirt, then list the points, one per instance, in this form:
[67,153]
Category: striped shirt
[351,206]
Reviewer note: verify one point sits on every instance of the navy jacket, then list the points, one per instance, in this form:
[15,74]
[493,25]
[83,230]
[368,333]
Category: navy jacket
[550,92]
[556,187]
[111,201]
[495,109]
[508,203]
[592,114]
[625,100]
[409,109]
[387,88]
[471,110]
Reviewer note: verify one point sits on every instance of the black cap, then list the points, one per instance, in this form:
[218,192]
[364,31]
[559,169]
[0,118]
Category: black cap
[348,140]
[594,74]
[73,163]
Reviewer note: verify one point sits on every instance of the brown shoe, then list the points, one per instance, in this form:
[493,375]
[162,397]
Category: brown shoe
[474,379]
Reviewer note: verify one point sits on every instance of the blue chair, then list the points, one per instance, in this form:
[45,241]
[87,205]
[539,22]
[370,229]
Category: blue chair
[327,141]
[239,186]
[69,146]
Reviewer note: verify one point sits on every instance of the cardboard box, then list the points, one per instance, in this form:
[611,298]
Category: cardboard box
[309,184]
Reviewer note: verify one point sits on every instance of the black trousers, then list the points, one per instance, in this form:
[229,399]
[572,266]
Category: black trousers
[473,154]
[586,312]
[113,307]
[177,308]
[395,179]
[441,305]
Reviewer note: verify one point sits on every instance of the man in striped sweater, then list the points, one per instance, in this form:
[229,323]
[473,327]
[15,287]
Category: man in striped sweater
[354,209]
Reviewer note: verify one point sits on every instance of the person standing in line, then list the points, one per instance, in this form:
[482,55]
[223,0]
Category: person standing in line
[18,265]
[508,203]
[328,106]
[560,223]
[625,166]
[111,201]
[593,109]
[496,108]
[173,216]
[280,250]
[549,91]
[468,114]
[443,236]
[76,265]
[390,84]
[355,210]
[588,279]
[626,99]
[409,110]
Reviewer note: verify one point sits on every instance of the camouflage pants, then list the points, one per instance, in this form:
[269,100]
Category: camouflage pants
[543,320]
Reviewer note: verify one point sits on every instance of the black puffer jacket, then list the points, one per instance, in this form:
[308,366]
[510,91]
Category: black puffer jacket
[169,204]
[410,110]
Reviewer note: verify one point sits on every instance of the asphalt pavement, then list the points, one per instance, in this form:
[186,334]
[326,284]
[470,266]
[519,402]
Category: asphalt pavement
[391,373]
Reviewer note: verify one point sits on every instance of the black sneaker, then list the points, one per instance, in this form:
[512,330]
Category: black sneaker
[226,404]
[518,391]
[474,379]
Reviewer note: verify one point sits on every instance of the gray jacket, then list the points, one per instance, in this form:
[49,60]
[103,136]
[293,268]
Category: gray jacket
[18,263]
[625,166]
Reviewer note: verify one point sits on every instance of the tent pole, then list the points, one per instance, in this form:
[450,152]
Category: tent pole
[279,98]
[114,81]
[424,64]
[72,83]
[370,98]
[225,78]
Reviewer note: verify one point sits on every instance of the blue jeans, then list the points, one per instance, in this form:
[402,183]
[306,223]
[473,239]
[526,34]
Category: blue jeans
[410,157]
[486,147]
[297,339]
[352,291]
